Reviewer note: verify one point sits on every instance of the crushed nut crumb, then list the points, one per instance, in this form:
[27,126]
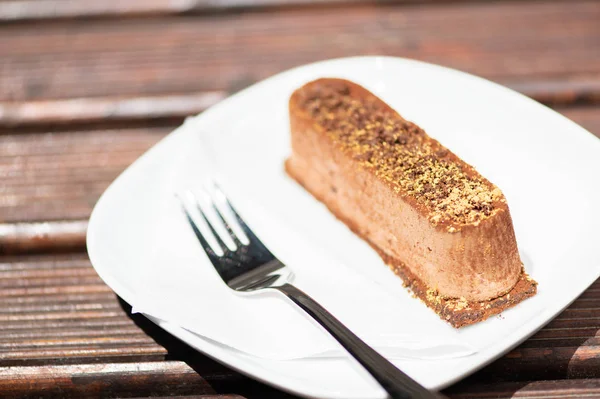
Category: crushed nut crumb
[401,154]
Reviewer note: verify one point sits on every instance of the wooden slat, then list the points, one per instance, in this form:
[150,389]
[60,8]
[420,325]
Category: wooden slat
[52,176]
[581,90]
[589,388]
[15,116]
[177,378]
[82,343]
[55,309]
[28,10]
[547,362]
[72,92]
[504,41]
[57,344]
[157,378]
[24,10]
[45,236]
[98,110]
[73,320]
[168,379]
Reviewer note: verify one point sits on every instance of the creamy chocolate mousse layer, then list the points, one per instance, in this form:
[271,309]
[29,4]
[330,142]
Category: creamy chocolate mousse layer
[437,222]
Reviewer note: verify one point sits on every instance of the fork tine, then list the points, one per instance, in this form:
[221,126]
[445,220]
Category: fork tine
[205,245]
[231,233]
[251,236]
[210,226]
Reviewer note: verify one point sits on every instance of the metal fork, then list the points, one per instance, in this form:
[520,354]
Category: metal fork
[252,267]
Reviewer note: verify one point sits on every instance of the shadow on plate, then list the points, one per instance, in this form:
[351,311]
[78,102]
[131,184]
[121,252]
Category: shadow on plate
[220,378]
[565,349]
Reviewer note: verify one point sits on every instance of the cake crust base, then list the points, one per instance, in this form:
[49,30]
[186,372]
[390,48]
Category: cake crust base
[459,312]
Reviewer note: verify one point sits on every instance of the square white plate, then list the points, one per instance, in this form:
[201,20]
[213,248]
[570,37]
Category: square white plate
[547,166]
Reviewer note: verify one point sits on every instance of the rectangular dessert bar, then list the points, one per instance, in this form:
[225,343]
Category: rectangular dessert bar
[440,225]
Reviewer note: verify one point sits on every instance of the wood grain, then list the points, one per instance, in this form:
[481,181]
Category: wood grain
[51,176]
[63,329]
[589,388]
[87,87]
[54,309]
[16,116]
[166,55]
[25,10]
[58,176]
[32,10]
[121,379]
[57,302]
[155,379]
[579,90]
[103,109]
[42,237]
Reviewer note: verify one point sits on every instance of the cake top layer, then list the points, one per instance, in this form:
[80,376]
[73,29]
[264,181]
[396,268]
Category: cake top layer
[400,153]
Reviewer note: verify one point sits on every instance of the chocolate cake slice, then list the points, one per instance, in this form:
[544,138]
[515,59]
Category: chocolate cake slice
[440,225]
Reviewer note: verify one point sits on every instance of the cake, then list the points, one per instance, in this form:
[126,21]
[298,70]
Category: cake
[440,225]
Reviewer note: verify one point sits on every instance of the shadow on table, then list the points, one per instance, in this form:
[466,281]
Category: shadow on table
[547,356]
[222,379]
[533,368]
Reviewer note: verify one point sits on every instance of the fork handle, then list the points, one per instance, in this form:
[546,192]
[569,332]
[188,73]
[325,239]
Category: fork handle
[397,384]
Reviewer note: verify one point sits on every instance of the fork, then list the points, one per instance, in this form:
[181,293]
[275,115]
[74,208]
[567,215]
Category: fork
[252,267]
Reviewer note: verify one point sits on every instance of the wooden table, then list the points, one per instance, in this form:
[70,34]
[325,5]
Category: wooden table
[88,86]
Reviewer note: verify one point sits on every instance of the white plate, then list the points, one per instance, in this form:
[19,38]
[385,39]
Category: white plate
[547,166]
